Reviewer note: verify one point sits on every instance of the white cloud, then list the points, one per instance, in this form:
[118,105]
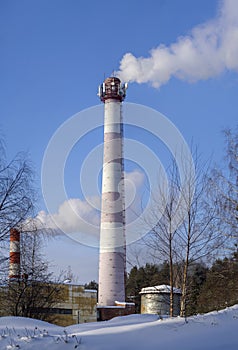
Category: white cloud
[82,217]
[210,49]
[136,177]
[133,197]
[74,215]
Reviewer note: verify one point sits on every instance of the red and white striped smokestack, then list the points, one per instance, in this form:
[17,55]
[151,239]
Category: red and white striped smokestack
[14,266]
[112,230]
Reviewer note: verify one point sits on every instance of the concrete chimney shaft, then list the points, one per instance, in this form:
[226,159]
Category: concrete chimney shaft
[112,230]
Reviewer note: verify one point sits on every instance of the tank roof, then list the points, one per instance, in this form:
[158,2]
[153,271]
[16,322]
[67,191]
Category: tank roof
[163,288]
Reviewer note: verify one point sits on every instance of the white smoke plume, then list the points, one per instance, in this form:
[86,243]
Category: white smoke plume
[207,51]
[76,215]
[73,215]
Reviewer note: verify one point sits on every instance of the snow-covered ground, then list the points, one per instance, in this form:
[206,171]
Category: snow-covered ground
[212,331]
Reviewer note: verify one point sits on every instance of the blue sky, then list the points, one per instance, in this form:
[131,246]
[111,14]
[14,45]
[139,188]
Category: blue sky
[54,54]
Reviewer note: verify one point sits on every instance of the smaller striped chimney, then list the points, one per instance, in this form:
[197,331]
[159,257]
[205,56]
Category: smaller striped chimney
[14,266]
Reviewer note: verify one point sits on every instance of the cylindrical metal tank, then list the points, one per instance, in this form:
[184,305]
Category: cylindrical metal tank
[156,300]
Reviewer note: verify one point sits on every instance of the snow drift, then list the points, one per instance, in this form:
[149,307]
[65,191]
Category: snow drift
[212,331]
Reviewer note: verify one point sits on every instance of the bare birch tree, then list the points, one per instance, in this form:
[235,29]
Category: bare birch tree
[162,239]
[186,229]
[224,184]
[198,236]
[16,191]
[34,291]
[37,290]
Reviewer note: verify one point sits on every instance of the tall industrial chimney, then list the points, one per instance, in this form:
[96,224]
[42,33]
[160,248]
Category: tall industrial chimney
[112,258]
[14,265]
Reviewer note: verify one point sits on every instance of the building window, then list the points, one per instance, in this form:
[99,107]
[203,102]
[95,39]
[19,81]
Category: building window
[53,310]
